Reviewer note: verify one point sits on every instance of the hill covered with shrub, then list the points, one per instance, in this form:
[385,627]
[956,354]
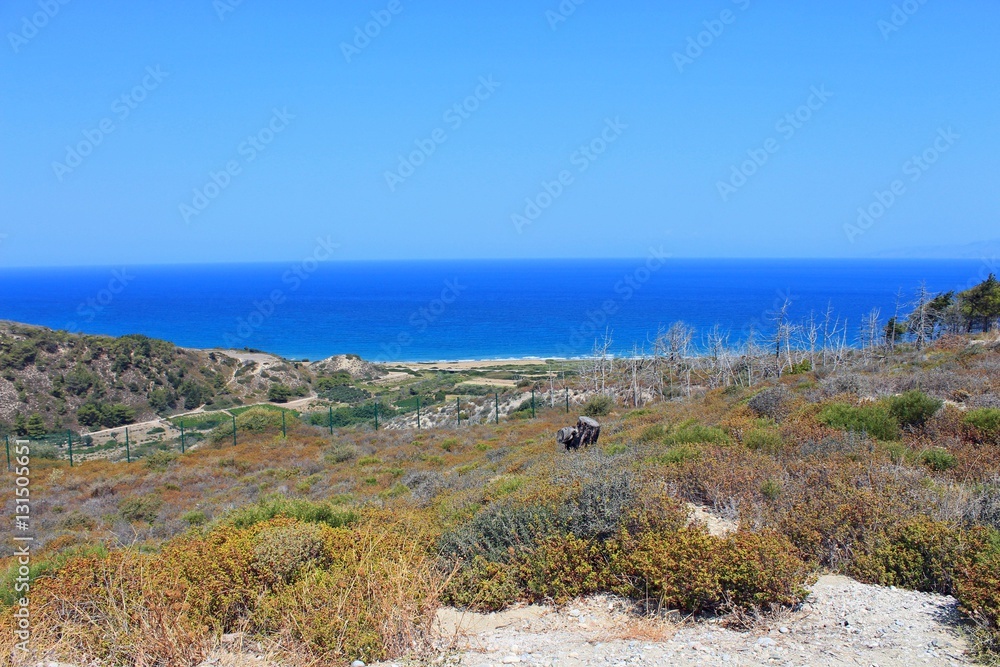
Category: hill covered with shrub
[342,546]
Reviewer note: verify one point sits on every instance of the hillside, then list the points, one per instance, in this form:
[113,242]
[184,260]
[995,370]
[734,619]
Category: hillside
[81,382]
[722,507]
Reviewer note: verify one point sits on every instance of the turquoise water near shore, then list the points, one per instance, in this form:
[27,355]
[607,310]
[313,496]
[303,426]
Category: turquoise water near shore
[451,310]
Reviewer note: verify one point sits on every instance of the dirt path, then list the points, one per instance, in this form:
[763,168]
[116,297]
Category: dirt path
[843,623]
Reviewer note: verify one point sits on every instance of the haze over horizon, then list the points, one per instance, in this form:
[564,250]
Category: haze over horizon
[229,131]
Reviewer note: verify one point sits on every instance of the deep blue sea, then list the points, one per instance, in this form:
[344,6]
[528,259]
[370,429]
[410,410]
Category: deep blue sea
[458,309]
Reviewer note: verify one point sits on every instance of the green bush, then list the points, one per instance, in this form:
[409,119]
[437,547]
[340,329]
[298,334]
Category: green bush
[763,439]
[913,408]
[678,455]
[921,554]
[598,406]
[983,425]
[938,459]
[259,419]
[875,420]
[691,433]
[159,461]
[302,510]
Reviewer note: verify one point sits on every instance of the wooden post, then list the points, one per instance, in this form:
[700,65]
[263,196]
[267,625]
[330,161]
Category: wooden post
[567,400]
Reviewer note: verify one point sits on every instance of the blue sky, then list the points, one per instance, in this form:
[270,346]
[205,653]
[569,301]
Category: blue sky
[248,129]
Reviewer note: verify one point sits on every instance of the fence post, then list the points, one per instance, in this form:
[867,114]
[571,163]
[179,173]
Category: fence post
[458,410]
[567,400]
[331,418]
[182,436]
[496,399]
[6,440]
[418,413]
[234,429]
[284,434]
[376,413]
[532,402]
[128,453]
[69,441]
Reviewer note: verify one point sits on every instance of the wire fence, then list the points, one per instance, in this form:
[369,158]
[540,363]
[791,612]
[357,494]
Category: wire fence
[178,435]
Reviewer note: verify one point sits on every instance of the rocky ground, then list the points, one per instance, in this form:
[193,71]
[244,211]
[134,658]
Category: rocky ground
[842,623]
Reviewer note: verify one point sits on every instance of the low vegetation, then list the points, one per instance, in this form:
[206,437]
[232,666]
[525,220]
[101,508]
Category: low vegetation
[341,546]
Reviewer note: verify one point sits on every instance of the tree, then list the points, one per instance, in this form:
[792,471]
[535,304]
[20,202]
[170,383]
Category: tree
[894,331]
[982,303]
[278,393]
[36,426]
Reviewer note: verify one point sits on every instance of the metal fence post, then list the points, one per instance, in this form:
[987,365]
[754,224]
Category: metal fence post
[458,410]
[418,413]
[330,417]
[69,441]
[284,434]
[376,414]
[128,453]
[496,399]
[234,429]
[6,440]
[532,402]
[182,436]
[567,399]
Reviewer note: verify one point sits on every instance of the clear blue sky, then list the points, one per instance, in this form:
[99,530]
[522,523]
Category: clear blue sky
[674,129]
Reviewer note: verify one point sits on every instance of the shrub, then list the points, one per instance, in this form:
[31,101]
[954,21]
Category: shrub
[306,511]
[938,459]
[874,420]
[921,554]
[983,425]
[194,518]
[140,508]
[499,532]
[977,587]
[282,551]
[340,453]
[913,408]
[159,461]
[483,585]
[561,568]
[678,455]
[763,439]
[770,489]
[692,571]
[600,506]
[258,420]
[598,406]
[691,432]
[770,403]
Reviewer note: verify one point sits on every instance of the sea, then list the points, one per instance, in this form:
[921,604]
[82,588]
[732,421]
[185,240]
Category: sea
[463,310]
